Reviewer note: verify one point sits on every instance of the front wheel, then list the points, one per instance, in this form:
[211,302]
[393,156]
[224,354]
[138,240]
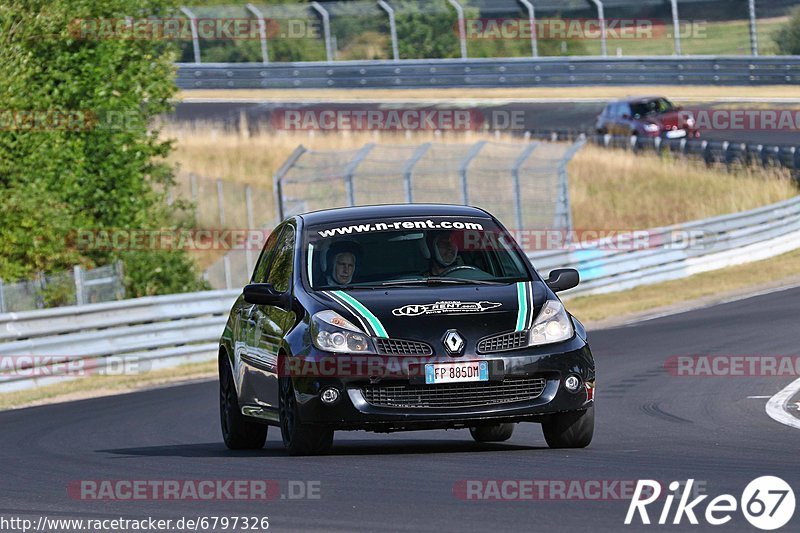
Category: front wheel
[573,429]
[300,439]
[238,432]
[493,433]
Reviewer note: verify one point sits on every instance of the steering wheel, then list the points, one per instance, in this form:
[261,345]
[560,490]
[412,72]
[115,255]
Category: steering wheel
[458,267]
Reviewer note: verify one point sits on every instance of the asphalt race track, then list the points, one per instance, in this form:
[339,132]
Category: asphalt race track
[650,425]
[540,116]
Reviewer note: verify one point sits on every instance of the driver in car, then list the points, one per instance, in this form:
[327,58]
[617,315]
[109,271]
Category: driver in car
[341,259]
[444,253]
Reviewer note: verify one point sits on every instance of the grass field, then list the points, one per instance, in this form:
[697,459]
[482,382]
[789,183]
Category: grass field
[609,189]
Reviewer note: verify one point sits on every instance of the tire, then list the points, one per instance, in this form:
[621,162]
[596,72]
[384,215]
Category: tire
[238,432]
[493,433]
[573,429]
[300,439]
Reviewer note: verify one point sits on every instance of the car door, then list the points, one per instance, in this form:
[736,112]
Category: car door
[270,323]
[244,324]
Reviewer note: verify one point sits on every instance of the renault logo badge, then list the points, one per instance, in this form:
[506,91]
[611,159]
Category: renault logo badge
[453,342]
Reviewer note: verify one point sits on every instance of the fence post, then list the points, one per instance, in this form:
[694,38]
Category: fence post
[563,202]
[2,297]
[751,7]
[276,180]
[472,154]
[119,268]
[262,30]
[532,20]
[392,28]
[220,204]
[195,37]
[676,25]
[42,283]
[602,17]
[526,153]
[326,28]
[462,27]
[248,203]
[77,274]
[350,169]
[408,170]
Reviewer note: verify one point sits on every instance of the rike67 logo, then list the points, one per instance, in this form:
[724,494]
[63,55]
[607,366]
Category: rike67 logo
[767,503]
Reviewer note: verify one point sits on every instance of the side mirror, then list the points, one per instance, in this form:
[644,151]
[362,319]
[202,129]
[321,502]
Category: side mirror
[562,279]
[265,294]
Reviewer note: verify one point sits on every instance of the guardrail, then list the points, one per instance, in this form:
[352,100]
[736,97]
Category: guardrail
[150,333]
[163,331]
[679,251]
[492,72]
[731,154]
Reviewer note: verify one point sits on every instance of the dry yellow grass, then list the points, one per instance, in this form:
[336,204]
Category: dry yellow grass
[213,152]
[296,95]
[609,189]
[614,189]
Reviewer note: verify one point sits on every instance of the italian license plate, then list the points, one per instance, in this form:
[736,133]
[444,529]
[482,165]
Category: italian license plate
[456,372]
[676,134]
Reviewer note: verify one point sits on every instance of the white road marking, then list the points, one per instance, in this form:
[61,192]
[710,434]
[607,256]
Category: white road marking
[760,397]
[777,405]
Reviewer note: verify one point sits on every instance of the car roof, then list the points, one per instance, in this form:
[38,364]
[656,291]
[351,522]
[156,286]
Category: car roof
[344,214]
[637,99]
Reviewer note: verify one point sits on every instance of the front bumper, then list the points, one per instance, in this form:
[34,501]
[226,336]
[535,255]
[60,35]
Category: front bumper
[551,363]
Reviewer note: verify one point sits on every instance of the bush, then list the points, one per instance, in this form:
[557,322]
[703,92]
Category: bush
[788,37]
[103,165]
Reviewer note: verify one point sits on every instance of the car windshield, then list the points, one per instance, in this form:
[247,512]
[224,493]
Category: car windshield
[651,107]
[411,251]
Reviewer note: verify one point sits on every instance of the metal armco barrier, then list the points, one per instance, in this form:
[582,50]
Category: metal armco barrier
[510,72]
[161,331]
[149,333]
[679,251]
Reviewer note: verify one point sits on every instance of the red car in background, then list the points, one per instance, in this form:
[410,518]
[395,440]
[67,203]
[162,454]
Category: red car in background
[651,116]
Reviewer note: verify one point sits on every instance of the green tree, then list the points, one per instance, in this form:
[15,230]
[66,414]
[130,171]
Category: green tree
[788,37]
[77,147]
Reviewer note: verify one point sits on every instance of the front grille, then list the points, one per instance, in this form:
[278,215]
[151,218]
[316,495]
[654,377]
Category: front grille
[454,394]
[503,342]
[402,347]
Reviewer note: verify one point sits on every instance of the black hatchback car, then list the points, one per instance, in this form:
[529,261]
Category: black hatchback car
[401,317]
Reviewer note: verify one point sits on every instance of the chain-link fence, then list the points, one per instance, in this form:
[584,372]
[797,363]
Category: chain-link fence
[524,184]
[77,287]
[420,29]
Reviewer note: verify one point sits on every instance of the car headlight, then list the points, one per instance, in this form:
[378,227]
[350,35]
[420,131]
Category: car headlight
[331,332]
[551,325]
[652,128]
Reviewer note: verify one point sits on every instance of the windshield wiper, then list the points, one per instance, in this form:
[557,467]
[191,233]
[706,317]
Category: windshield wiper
[440,281]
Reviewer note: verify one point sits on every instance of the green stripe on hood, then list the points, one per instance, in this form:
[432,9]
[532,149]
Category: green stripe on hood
[373,321]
